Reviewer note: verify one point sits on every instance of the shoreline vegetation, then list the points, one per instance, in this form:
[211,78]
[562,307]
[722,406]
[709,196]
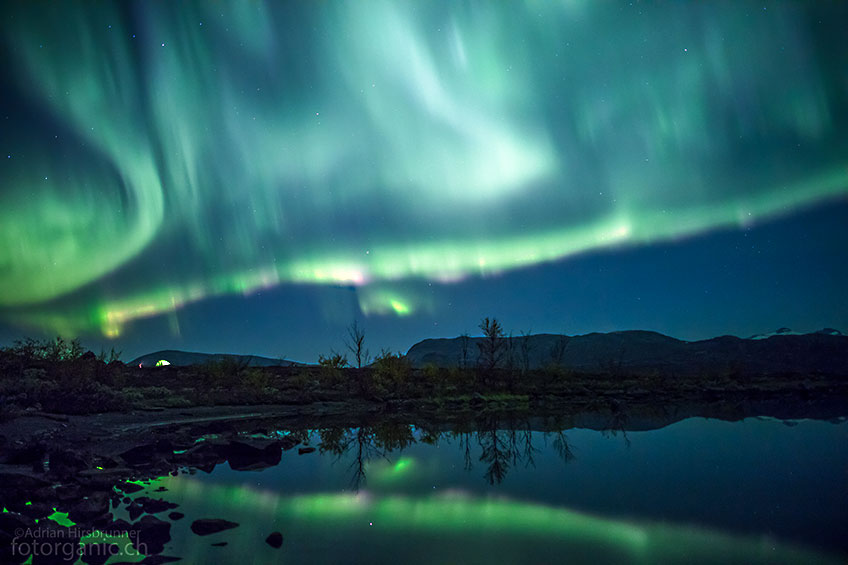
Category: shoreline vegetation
[57,377]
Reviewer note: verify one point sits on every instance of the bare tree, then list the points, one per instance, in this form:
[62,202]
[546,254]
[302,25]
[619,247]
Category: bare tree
[558,350]
[495,453]
[493,344]
[355,343]
[561,446]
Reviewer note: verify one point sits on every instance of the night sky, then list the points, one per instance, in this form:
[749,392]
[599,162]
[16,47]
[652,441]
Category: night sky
[251,177]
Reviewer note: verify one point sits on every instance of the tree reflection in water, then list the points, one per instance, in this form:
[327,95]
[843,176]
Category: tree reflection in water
[500,445]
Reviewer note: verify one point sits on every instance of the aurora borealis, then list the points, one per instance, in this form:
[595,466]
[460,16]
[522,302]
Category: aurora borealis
[159,155]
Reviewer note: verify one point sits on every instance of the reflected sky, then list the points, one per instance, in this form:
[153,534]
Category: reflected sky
[696,491]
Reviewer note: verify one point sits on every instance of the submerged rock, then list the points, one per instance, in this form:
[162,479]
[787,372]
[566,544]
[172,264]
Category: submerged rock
[176,515]
[275,540]
[119,525]
[245,457]
[302,450]
[207,526]
[153,506]
[135,510]
[152,534]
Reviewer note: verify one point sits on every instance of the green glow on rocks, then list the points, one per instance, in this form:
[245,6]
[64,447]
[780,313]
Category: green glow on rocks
[127,554]
[458,148]
[61,518]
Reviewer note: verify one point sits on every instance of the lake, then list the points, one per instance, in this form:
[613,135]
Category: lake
[697,491]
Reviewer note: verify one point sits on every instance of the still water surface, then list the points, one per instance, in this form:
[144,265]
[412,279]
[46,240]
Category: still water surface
[698,491]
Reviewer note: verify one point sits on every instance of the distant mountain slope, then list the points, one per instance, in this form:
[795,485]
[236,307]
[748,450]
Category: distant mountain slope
[182,358]
[825,352]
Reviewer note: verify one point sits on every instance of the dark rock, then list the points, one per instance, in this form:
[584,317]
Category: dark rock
[65,461]
[151,534]
[176,515]
[102,478]
[10,528]
[219,544]
[119,525]
[37,510]
[105,462]
[89,508]
[143,455]
[23,454]
[22,480]
[153,506]
[135,510]
[245,457]
[7,554]
[202,454]
[11,521]
[161,489]
[56,544]
[302,450]
[101,522]
[99,553]
[130,488]
[207,526]
[275,540]
[288,442]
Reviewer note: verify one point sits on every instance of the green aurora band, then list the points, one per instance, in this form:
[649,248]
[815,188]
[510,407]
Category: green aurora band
[217,148]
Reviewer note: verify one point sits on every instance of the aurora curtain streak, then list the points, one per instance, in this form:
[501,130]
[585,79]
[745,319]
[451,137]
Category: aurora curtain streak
[161,153]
